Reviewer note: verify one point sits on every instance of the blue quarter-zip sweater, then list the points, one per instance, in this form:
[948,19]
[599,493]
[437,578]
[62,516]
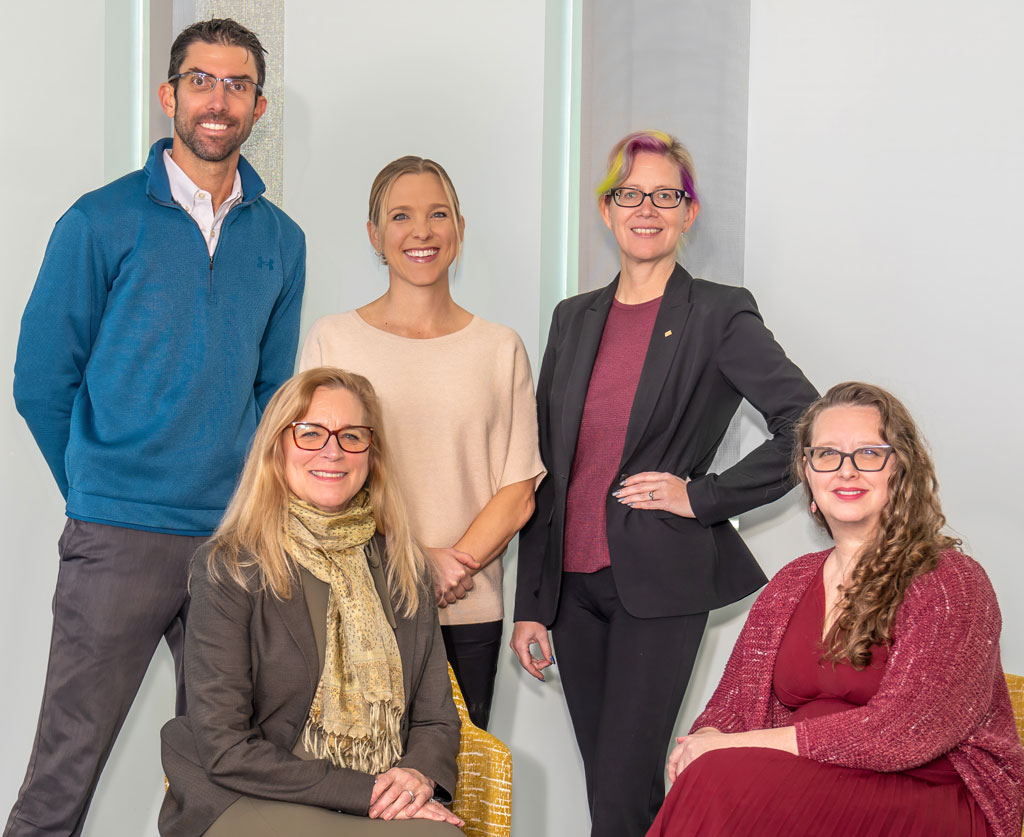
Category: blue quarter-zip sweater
[144,364]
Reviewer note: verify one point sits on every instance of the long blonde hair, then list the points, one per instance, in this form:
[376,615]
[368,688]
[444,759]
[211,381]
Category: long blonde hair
[250,538]
[909,537]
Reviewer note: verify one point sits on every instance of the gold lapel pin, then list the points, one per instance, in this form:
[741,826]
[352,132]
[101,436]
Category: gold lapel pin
[668,333]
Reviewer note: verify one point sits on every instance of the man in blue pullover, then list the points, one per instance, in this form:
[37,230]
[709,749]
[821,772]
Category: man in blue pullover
[164,317]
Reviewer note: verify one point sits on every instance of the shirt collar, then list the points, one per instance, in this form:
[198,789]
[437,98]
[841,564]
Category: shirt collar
[185,192]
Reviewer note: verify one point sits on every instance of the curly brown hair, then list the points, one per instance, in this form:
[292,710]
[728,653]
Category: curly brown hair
[909,537]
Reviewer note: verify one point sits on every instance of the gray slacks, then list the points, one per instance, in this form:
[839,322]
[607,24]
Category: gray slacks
[118,592]
[250,817]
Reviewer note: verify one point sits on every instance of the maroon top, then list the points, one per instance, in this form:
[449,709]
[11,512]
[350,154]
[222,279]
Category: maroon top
[811,687]
[613,382]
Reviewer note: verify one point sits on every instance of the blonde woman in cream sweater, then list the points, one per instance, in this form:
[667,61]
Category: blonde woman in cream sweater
[458,395]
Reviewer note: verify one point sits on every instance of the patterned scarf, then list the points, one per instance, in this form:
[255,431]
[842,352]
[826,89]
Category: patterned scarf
[357,710]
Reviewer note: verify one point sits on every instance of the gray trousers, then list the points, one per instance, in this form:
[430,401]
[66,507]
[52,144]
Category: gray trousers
[266,818]
[118,592]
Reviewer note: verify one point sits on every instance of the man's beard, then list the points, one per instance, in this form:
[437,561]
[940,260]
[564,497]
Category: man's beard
[207,149]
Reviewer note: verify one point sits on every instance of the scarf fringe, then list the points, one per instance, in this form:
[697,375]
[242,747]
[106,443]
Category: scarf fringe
[368,751]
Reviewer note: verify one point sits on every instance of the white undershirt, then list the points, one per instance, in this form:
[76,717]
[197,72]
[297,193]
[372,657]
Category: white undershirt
[199,203]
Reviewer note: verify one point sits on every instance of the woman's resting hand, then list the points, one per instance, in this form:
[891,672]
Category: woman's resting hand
[655,490]
[405,793]
[525,634]
[454,574]
[434,810]
[691,747]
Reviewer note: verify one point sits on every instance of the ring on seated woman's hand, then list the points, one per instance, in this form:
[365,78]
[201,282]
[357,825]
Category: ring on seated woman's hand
[411,794]
[651,494]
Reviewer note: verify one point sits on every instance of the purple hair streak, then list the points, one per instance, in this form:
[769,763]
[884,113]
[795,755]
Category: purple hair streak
[620,161]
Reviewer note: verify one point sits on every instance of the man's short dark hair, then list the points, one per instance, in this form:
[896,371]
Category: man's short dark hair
[218,30]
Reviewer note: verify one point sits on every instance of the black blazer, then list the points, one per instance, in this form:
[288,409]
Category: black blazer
[251,668]
[709,350]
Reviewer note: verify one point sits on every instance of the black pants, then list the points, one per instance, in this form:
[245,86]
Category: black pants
[118,592]
[624,679]
[473,652]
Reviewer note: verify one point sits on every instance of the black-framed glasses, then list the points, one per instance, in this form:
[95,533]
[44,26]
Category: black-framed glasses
[661,198]
[238,88]
[871,458]
[351,439]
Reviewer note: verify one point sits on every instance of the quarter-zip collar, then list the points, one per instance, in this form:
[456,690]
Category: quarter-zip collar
[158,186]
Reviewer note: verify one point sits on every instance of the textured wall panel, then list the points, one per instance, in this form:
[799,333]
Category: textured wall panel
[265,146]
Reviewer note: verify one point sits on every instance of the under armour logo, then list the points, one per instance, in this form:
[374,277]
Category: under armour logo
[260,262]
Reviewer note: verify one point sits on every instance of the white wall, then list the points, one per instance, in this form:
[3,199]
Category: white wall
[883,216]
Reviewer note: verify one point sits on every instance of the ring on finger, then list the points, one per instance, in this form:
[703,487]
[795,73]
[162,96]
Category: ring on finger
[412,796]
[651,494]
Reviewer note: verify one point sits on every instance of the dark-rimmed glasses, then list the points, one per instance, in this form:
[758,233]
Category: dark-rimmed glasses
[661,198]
[352,439]
[871,458]
[238,88]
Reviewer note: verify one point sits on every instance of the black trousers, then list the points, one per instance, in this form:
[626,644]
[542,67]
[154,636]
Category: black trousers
[118,592]
[624,679]
[473,652]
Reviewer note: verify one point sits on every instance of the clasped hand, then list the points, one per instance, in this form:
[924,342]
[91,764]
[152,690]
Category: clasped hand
[655,490]
[454,574]
[403,793]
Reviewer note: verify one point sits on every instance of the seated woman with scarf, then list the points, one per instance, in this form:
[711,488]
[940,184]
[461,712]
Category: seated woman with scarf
[318,695]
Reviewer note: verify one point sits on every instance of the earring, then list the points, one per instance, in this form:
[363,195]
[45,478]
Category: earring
[382,257]
[814,507]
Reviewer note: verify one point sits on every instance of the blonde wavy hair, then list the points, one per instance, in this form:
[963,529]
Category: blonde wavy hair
[250,538]
[909,537]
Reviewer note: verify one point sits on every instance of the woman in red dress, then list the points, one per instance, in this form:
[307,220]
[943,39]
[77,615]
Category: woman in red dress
[865,695]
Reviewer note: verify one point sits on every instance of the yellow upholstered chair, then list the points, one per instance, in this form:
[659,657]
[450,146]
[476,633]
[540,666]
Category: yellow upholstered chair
[1016,684]
[483,794]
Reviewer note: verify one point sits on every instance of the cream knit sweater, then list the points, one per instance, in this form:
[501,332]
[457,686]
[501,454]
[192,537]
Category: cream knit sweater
[461,420]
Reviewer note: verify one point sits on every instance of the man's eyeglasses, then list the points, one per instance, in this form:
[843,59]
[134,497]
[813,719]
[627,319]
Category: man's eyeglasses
[661,198]
[238,88]
[354,439]
[871,458]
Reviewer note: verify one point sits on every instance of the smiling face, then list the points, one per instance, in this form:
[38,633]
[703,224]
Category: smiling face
[850,500]
[645,233]
[419,238]
[328,478]
[211,126]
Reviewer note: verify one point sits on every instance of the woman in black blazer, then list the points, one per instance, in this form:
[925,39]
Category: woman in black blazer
[630,545]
